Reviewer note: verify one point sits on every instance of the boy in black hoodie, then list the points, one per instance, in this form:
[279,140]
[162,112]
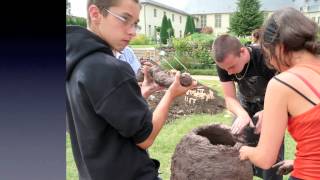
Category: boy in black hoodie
[109,121]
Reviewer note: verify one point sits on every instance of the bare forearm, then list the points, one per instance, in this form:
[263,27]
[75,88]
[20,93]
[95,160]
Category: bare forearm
[234,106]
[159,118]
[259,157]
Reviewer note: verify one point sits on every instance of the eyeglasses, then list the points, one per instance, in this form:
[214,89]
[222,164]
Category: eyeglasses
[124,20]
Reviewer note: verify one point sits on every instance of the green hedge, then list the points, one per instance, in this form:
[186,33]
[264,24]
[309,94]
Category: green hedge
[197,47]
[141,40]
[209,72]
[73,20]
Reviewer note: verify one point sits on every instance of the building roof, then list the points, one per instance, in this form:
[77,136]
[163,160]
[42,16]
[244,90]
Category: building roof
[229,6]
[163,6]
[194,7]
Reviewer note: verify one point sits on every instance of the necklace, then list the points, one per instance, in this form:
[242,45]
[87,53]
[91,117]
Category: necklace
[241,77]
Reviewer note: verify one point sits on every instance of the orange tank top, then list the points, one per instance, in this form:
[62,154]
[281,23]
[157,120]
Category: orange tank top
[305,130]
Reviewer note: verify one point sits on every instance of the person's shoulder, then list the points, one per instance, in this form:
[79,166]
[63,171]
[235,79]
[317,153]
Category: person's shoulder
[282,78]
[99,60]
[256,53]
[256,49]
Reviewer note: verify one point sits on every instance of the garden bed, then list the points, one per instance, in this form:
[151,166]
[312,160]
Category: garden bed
[196,101]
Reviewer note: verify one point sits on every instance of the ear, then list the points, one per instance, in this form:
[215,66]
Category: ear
[94,14]
[242,50]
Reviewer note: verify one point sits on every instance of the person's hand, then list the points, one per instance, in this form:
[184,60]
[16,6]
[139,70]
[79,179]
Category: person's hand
[259,114]
[284,167]
[145,63]
[148,85]
[176,89]
[240,122]
[243,153]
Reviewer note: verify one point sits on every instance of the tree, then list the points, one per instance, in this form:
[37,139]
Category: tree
[170,29]
[190,27]
[247,17]
[192,24]
[164,30]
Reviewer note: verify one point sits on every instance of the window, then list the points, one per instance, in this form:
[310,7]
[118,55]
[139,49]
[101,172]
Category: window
[172,17]
[217,20]
[149,30]
[180,34]
[203,20]
[154,12]
[180,19]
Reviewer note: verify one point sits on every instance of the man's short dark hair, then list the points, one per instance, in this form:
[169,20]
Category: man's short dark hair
[225,45]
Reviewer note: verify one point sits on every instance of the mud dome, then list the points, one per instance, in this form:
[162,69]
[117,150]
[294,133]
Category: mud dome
[197,101]
[209,153]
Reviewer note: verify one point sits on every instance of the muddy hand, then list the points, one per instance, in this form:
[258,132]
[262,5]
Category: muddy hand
[177,89]
[239,124]
[259,116]
[284,167]
[148,86]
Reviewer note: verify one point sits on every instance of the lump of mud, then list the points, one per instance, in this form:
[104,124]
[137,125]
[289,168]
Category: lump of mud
[209,153]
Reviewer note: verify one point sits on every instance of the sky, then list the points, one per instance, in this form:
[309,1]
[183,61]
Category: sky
[78,7]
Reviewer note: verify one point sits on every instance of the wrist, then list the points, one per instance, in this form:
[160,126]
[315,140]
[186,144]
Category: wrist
[145,94]
[169,96]
[243,114]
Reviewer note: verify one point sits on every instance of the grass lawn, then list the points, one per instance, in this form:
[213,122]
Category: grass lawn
[171,134]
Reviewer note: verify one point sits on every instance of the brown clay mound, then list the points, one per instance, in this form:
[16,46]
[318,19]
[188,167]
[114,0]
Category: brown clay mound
[196,101]
[209,153]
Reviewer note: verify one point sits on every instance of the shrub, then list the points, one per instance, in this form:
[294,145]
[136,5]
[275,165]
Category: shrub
[207,30]
[176,61]
[197,47]
[140,40]
[73,20]
[208,72]
[245,40]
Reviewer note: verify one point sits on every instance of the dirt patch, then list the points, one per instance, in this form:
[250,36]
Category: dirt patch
[196,101]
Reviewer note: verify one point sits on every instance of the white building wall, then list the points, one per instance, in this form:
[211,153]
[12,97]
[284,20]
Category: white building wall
[211,22]
[148,22]
[315,16]
[224,25]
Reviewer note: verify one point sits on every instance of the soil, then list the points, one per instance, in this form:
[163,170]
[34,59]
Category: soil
[196,101]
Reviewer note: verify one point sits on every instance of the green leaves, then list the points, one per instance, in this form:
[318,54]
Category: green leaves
[164,35]
[247,17]
[190,26]
[73,20]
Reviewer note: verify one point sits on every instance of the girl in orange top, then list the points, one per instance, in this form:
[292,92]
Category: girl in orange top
[289,41]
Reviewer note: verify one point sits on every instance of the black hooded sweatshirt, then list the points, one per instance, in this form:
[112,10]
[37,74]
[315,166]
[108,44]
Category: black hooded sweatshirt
[106,113]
